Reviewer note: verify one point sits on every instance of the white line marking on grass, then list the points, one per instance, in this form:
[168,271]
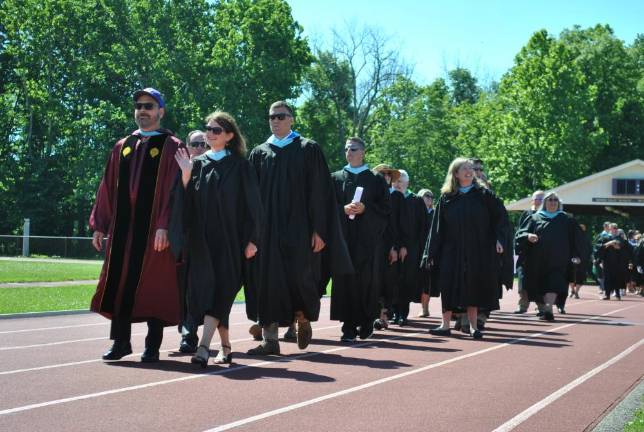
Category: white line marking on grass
[529,412]
[285,360]
[296,406]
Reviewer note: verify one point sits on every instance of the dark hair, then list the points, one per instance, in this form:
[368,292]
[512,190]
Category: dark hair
[357,140]
[476,160]
[283,104]
[237,145]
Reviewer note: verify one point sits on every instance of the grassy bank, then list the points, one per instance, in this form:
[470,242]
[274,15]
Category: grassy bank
[29,271]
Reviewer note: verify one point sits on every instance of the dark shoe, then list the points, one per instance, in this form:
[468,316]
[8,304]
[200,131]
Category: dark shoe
[577,295]
[223,358]
[562,311]
[202,356]
[187,346]
[476,334]
[290,335]
[256,331]
[402,322]
[480,325]
[348,337]
[118,351]
[150,355]
[393,320]
[618,297]
[457,325]
[304,334]
[265,348]
[520,311]
[547,316]
[366,331]
[440,332]
[540,314]
[378,324]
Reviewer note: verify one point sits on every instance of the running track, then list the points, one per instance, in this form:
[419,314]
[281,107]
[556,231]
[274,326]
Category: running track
[526,375]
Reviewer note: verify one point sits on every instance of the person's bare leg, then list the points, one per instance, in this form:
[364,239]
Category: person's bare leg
[424,301]
[447,317]
[224,336]
[472,313]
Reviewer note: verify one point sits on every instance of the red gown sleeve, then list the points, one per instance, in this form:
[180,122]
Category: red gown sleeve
[100,218]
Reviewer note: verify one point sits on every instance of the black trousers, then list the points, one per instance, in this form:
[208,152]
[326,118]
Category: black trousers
[121,331]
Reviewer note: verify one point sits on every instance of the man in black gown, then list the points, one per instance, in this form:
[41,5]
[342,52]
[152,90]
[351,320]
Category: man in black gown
[412,227]
[300,220]
[354,299]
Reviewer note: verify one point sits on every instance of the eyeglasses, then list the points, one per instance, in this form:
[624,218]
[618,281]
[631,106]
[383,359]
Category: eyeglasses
[478,169]
[537,199]
[352,149]
[553,199]
[197,144]
[215,130]
[148,106]
[278,116]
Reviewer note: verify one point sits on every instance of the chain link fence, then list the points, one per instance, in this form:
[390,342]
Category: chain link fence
[63,247]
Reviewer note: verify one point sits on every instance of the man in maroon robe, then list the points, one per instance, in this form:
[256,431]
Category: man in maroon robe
[138,281]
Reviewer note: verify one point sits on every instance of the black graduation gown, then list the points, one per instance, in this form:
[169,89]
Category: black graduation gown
[579,271]
[547,261]
[354,297]
[392,239]
[298,200]
[222,214]
[615,262]
[412,226]
[462,249]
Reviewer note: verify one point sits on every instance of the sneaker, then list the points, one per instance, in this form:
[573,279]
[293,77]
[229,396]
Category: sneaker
[267,347]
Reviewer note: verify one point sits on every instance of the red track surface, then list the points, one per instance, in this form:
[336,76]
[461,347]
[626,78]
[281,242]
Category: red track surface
[51,376]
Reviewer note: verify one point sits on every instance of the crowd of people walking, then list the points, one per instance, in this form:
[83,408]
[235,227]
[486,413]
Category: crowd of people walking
[189,225]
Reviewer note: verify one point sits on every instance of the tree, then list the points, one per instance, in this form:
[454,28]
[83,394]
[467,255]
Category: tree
[463,86]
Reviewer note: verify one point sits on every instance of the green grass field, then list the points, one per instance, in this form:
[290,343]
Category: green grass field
[637,423]
[40,299]
[33,271]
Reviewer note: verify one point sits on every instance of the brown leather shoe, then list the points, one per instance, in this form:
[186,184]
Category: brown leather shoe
[256,331]
[265,348]
[304,334]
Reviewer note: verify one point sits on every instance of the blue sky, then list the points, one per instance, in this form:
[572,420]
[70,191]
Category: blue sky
[483,36]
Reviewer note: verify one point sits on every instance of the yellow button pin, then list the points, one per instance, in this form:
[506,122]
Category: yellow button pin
[127,151]
[154,152]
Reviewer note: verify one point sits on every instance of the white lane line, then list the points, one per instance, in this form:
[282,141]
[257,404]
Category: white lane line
[523,416]
[48,344]
[290,359]
[81,362]
[296,406]
[53,328]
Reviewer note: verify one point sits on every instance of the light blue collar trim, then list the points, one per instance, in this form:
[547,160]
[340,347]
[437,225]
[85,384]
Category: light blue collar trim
[430,210]
[147,133]
[283,142]
[550,215]
[466,189]
[407,193]
[218,155]
[392,189]
[356,170]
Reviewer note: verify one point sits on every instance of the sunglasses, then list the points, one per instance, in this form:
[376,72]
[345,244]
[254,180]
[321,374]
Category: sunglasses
[552,200]
[197,144]
[352,149]
[279,116]
[215,130]
[144,105]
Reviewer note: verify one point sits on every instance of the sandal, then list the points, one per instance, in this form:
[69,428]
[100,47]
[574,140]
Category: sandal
[222,358]
[200,357]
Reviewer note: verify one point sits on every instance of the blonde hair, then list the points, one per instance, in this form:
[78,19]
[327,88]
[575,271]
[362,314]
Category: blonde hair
[451,185]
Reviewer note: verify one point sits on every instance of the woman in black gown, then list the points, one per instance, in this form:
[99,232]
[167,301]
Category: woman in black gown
[222,210]
[466,236]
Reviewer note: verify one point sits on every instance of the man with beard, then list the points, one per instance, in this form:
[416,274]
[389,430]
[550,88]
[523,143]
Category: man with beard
[354,299]
[300,221]
[138,281]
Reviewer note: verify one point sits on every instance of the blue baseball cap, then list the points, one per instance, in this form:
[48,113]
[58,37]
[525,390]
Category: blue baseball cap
[154,93]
